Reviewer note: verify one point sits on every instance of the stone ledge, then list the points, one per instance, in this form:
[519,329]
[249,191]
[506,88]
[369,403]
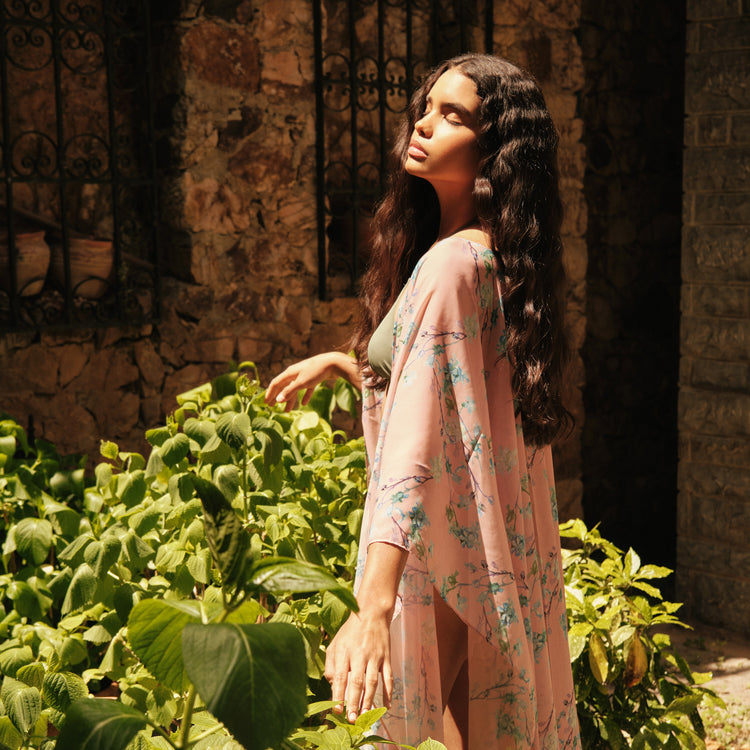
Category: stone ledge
[714,413]
[716,338]
[723,36]
[716,253]
[717,81]
[716,168]
[705,9]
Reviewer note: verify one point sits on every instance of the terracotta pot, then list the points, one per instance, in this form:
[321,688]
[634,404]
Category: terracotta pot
[32,262]
[91,264]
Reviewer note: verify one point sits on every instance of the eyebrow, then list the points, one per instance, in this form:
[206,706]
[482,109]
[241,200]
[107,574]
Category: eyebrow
[455,106]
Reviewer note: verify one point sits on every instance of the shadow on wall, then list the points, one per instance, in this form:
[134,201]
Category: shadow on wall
[633,111]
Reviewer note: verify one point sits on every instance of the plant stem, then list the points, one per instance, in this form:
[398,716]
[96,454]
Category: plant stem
[187,718]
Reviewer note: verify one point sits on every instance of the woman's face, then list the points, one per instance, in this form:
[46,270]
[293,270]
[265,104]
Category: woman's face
[443,148]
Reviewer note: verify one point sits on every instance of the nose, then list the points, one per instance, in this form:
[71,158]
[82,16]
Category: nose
[422,125]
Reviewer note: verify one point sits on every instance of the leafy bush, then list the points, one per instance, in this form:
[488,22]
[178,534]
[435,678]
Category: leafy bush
[197,583]
[632,688]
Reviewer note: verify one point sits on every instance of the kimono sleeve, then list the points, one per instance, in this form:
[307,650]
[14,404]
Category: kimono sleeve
[433,449]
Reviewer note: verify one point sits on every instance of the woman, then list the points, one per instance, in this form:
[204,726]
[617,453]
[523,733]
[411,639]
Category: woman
[462,608]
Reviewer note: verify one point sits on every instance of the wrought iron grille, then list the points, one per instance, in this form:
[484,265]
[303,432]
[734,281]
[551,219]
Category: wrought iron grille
[79,242]
[369,55]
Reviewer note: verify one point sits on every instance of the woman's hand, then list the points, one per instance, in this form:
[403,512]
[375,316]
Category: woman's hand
[361,650]
[356,657]
[306,374]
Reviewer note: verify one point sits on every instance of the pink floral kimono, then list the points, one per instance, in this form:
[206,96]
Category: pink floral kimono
[453,483]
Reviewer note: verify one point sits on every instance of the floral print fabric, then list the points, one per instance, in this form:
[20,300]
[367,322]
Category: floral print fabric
[452,482]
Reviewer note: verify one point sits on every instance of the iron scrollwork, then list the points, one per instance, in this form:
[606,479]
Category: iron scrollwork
[377,52]
[76,118]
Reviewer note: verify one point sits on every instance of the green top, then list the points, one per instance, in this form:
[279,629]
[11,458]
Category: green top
[380,348]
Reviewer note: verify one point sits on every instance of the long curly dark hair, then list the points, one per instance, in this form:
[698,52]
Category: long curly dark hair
[518,205]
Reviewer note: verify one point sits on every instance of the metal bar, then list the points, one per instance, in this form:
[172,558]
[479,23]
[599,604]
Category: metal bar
[59,114]
[151,135]
[409,50]
[354,174]
[320,203]
[109,43]
[8,167]
[462,28]
[382,96]
[489,26]
[435,31]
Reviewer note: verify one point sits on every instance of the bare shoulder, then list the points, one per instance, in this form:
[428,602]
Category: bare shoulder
[475,235]
[456,259]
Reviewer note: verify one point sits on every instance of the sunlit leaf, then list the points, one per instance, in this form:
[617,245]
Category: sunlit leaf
[33,539]
[285,575]
[265,664]
[154,631]
[60,689]
[227,540]
[233,429]
[99,724]
[598,659]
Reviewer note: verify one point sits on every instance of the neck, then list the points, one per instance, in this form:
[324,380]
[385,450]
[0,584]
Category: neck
[457,210]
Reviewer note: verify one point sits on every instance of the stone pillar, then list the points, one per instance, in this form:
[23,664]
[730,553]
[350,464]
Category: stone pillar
[713,555]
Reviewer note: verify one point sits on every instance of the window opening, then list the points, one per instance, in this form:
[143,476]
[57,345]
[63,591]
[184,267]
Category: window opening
[79,242]
[369,56]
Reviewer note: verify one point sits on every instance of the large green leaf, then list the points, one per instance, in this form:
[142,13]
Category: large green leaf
[233,429]
[281,575]
[81,590]
[23,706]
[174,449]
[99,724]
[102,554]
[260,667]
[60,689]
[33,539]
[10,737]
[154,630]
[227,540]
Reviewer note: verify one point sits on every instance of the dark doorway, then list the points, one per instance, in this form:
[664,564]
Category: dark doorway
[633,113]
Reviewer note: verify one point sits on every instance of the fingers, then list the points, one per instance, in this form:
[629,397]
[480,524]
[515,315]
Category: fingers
[372,677]
[387,683]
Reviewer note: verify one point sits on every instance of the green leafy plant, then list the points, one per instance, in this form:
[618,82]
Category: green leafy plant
[195,584]
[632,688]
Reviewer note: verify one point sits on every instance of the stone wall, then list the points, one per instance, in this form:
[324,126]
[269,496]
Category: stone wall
[633,111]
[237,137]
[542,37]
[714,408]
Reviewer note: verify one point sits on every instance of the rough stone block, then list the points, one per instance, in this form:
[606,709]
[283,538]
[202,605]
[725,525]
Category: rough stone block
[702,9]
[183,380]
[725,482]
[717,82]
[716,169]
[686,371]
[712,130]
[149,363]
[710,413]
[222,55]
[716,253]
[733,451]
[721,602]
[722,208]
[684,513]
[723,376]
[739,131]
[716,338]
[722,36]
[724,300]
[688,208]
[72,359]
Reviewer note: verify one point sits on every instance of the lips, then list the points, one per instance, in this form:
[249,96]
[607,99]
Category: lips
[416,151]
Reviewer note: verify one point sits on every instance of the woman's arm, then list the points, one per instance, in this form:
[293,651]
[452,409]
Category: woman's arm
[360,652]
[306,374]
